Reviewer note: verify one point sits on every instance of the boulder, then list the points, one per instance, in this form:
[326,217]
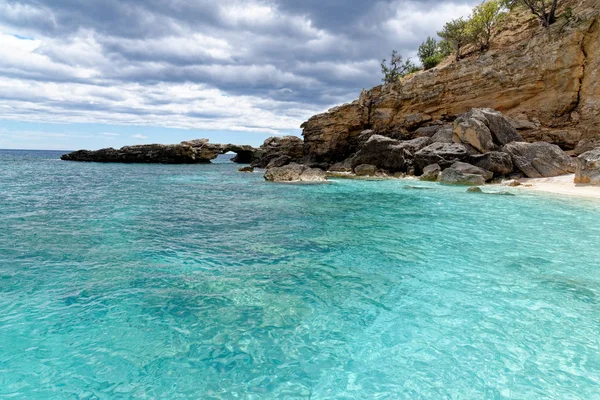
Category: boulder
[295,173]
[586,145]
[344,166]
[444,135]
[427,131]
[466,168]
[473,132]
[246,169]
[495,161]
[415,145]
[443,154]
[474,189]
[431,173]
[540,159]
[384,153]
[273,147]
[279,161]
[485,129]
[588,167]
[365,170]
[456,177]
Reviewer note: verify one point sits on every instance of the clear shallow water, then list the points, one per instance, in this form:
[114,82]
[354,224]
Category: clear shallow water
[150,281]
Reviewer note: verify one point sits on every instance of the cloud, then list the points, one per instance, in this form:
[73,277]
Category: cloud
[109,134]
[139,136]
[256,66]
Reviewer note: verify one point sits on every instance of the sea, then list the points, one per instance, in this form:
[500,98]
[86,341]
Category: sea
[122,281]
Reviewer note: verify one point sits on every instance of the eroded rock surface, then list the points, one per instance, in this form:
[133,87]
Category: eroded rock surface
[295,173]
[539,160]
[588,167]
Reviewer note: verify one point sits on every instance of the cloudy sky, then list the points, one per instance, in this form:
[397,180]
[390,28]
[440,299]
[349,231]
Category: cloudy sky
[99,73]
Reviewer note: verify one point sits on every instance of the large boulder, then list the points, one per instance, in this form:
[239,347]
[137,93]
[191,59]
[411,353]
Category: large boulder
[495,161]
[466,168]
[365,170]
[273,147]
[342,166]
[295,173]
[443,154]
[453,176]
[540,159]
[443,135]
[431,173]
[384,153]
[586,145]
[484,129]
[588,167]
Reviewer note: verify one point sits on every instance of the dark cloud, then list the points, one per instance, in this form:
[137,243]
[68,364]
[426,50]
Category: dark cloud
[141,56]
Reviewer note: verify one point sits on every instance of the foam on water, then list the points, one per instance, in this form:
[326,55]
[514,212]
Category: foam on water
[155,281]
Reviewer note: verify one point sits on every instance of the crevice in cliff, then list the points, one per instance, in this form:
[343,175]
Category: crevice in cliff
[585,41]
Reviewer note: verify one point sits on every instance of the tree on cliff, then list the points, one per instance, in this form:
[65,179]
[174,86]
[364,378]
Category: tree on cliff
[486,17]
[397,68]
[431,53]
[456,32]
[544,10]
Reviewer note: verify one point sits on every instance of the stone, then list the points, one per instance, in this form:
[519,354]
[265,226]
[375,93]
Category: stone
[343,166]
[497,162]
[473,132]
[279,161]
[415,145]
[295,173]
[540,159]
[511,183]
[484,129]
[474,189]
[466,168]
[455,177]
[274,147]
[431,173]
[588,167]
[443,154]
[246,169]
[383,153]
[585,145]
[443,135]
[365,170]
[427,131]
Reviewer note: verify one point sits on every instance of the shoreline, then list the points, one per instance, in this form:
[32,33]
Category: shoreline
[562,185]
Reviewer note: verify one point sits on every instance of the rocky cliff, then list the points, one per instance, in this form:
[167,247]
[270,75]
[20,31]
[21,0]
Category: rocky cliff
[546,80]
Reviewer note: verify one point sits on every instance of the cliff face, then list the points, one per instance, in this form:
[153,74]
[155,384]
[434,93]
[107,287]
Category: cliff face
[548,81]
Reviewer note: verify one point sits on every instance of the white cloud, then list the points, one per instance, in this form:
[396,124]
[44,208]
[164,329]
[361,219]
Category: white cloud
[139,136]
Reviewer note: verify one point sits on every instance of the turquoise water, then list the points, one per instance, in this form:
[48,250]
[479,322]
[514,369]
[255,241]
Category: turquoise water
[151,281]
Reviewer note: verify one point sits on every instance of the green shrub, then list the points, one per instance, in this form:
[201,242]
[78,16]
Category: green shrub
[456,33]
[486,17]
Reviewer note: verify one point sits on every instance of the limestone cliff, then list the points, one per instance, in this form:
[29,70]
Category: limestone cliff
[547,80]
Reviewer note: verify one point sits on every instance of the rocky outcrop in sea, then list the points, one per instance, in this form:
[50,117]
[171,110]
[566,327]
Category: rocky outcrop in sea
[197,151]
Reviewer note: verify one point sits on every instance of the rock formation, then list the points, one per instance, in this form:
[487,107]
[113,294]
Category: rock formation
[588,167]
[295,173]
[546,80]
[279,151]
[540,159]
[189,152]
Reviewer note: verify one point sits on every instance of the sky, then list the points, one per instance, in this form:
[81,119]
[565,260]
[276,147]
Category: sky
[108,73]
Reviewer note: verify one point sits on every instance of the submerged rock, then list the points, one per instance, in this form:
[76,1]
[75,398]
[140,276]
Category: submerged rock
[295,173]
[246,169]
[474,189]
[588,167]
[540,159]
